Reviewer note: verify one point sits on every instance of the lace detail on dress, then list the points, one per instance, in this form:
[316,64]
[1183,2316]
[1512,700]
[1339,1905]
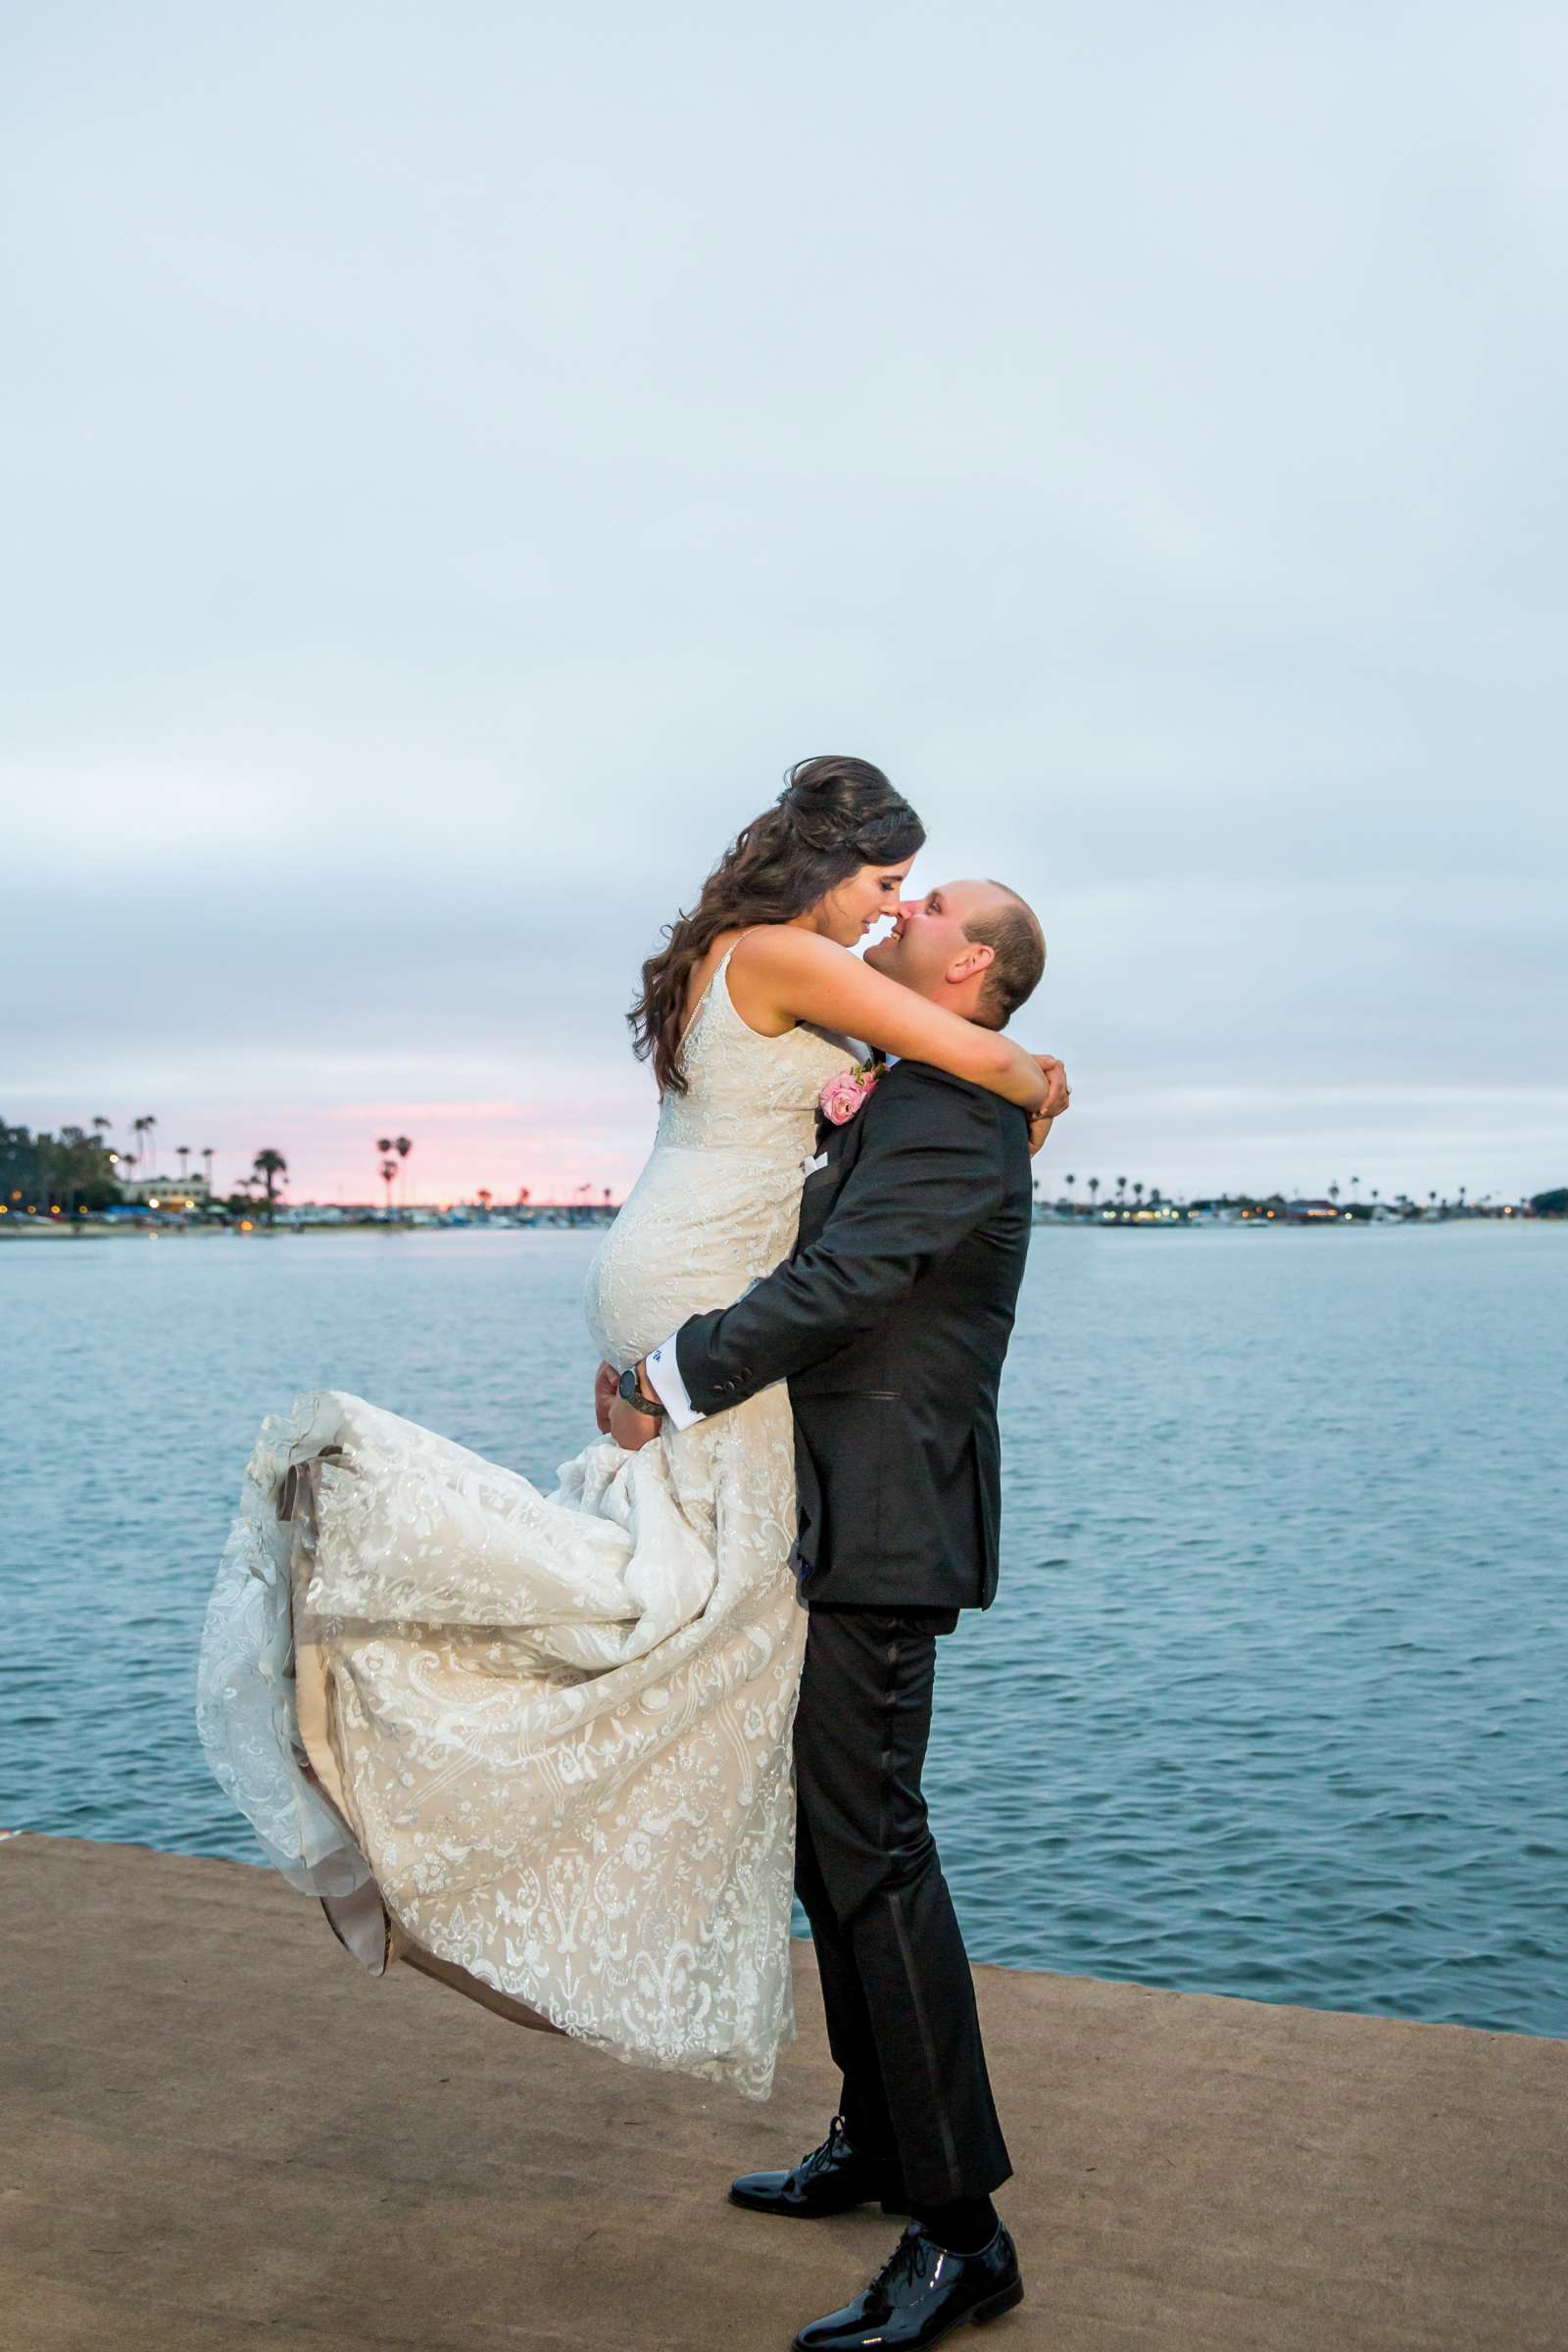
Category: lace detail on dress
[561,1724]
[717,1203]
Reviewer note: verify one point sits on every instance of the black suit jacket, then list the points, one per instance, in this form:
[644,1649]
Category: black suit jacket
[890,1321]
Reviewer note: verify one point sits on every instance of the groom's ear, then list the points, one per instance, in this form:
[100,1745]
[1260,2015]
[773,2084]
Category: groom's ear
[977,957]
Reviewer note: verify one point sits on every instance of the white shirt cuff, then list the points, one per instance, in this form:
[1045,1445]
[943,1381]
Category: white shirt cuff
[663,1377]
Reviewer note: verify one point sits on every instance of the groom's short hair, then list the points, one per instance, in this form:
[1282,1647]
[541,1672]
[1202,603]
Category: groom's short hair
[1017,944]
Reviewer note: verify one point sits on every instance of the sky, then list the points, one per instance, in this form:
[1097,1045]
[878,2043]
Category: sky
[457,460]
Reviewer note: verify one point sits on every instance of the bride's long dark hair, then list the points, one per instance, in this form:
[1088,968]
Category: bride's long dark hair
[833,817]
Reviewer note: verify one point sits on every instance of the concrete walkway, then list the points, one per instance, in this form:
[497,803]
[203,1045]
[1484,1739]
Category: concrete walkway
[214,2132]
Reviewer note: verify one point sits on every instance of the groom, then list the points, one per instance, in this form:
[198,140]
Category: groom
[890,1321]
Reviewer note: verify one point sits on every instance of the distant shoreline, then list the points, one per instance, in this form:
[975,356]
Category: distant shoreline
[58,1232]
[35,1229]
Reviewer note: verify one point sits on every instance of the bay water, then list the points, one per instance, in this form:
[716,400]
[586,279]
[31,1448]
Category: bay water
[1272,1699]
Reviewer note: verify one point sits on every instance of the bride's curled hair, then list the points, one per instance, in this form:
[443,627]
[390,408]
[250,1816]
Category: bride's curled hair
[833,817]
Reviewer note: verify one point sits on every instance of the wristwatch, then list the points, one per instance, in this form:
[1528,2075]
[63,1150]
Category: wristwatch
[631,1390]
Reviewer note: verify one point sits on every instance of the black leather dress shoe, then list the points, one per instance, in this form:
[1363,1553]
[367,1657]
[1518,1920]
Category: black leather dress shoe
[920,2293]
[833,2179]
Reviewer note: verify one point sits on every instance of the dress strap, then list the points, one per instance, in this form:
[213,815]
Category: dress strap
[719,972]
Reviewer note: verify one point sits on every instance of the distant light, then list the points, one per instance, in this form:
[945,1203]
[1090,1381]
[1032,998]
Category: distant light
[55,1211]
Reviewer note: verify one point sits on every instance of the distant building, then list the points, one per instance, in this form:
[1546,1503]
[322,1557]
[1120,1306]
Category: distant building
[165,1191]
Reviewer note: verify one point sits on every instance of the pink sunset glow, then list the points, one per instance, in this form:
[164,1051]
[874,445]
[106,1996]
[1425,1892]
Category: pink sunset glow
[550,1146]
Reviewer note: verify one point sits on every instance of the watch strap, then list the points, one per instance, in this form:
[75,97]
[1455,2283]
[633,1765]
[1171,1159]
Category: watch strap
[631,1390]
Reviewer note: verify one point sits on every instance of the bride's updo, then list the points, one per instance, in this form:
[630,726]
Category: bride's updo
[833,817]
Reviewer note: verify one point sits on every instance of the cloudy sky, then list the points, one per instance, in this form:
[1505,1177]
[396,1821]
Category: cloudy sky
[458,457]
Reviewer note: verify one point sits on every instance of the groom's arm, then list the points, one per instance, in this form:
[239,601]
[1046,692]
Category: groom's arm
[929,1171]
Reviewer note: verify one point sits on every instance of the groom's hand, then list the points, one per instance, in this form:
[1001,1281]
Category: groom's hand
[604,1383]
[630,1429]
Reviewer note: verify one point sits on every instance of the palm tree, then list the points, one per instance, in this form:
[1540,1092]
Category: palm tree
[1138,1194]
[269,1166]
[207,1155]
[484,1196]
[1354,1180]
[389,1168]
[1071,1181]
[1155,1197]
[149,1122]
[403,1144]
[182,1154]
[138,1129]
[1093,1188]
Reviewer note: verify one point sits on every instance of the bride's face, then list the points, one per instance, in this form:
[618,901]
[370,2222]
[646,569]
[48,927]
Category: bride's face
[858,904]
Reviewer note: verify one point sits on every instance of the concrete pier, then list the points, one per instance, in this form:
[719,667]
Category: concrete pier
[214,2132]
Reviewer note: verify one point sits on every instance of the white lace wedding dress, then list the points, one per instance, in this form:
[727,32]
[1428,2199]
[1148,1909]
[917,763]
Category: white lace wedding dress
[543,1742]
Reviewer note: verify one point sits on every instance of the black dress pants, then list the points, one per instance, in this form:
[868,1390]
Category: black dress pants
[896,1982]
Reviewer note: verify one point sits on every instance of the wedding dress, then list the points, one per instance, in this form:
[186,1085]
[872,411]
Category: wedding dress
[540,1745]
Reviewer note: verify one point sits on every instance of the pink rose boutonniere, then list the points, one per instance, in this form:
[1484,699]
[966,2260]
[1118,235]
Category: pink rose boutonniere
[843,1095]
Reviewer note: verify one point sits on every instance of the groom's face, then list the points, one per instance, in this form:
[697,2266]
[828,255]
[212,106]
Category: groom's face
[928,949]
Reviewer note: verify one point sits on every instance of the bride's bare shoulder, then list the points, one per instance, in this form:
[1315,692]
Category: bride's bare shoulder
[784,948]
[767,968]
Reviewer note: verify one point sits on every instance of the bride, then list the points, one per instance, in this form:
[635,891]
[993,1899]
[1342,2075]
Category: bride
[539,1747]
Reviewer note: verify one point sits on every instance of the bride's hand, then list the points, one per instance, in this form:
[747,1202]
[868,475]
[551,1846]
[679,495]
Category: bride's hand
[1058,1091]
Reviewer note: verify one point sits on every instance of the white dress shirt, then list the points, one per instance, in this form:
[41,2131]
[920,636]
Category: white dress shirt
[663,1377]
